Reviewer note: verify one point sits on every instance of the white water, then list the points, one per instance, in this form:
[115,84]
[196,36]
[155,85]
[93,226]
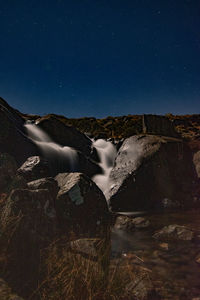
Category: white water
[58,156]
[107,153]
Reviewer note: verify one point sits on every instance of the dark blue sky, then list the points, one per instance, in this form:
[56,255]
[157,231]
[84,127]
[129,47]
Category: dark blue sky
[100,57]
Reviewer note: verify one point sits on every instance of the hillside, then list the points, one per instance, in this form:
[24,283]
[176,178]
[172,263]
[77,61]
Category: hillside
[187,126]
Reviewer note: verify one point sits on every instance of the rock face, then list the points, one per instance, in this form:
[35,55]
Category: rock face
[65,135]
[149,169]
[35,167]
[174,232]
[28,221]
[12,137]
[80,202]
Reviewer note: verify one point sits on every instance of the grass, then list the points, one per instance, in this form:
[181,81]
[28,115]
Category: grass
[63,272]
[72,276]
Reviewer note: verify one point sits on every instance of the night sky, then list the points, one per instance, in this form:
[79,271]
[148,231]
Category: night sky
[100,57]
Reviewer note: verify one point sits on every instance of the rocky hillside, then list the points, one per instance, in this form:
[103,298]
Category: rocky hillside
[188,126]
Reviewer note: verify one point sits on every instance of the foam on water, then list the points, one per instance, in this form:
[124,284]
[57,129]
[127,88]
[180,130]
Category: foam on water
[58,156]
[107,153]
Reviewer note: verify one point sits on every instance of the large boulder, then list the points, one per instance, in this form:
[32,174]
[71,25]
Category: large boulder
[12,136]
[150,169]
[35,167]
[28,224]
[80,203]
[65,135]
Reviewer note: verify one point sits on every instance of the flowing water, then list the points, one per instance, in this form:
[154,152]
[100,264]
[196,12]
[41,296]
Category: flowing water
[60,158]
[107,153]
[172,265]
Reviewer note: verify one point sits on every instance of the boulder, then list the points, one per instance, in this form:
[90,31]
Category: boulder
[6,292]
[131,224]
[65,135]
[35,167]
[48,183]
[80,203]
[148,170]
[174,232]
[158,125]
[13,139]
[28,223]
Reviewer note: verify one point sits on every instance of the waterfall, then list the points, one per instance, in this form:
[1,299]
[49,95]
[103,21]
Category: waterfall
[61,159]
[107,153]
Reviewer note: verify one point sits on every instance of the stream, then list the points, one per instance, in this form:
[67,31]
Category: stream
[174,270]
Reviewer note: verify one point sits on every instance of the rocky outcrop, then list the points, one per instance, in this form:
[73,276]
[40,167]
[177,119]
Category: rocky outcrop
[149,169]
[45,183]
[174,232]
[80,203]
[28,223]
[35,167]
[65,135]
[12,137]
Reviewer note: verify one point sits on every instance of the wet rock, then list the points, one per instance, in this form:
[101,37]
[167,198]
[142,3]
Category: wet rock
[65,135]
[149,169]
[28,223]
[80,203]
[130,224]
[13,139]
[6,292]
[174,232]
[8,168]
[48,183]
[35,167]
